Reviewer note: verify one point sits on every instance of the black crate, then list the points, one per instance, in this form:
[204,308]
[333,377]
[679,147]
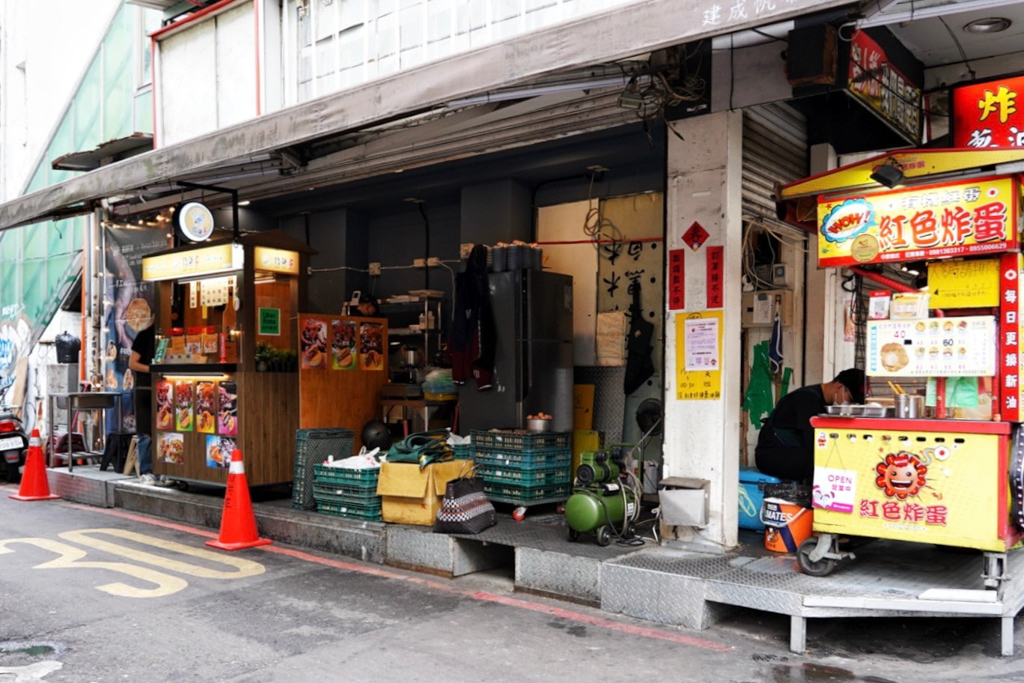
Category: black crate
[312,446]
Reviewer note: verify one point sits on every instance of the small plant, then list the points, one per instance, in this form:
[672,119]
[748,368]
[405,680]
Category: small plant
[265,355]
[289,360]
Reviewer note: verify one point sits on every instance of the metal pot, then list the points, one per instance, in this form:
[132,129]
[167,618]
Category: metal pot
[538,425]
[909,405]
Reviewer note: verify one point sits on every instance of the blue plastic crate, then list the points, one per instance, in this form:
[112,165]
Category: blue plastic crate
[515,440]
[752,483]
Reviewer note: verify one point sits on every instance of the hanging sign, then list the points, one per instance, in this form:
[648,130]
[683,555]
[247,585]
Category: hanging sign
[194,221]
[876,82]
[220,258]
[938,221]
[973,283]
[695,236]
[989,114]
[1010,267]
[932,347]
[276,260]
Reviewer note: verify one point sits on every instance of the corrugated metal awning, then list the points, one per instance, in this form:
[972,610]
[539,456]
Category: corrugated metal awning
[104,153]
[641,27]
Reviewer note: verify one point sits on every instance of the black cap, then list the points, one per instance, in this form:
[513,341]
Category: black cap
[853,379]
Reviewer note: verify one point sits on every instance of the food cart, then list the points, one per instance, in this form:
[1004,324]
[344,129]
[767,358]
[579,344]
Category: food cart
[225,369]
[937,469]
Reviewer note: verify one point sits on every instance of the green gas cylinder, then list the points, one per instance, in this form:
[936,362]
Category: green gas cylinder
[591,508]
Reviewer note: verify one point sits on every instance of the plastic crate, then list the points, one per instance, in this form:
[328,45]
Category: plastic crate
[462,451]
[340,476]
[507,493]
[522,441]
[347,496]
[547,476]
[351,511]
[551,457]
[312,446]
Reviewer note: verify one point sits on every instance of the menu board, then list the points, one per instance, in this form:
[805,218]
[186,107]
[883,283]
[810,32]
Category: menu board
[934,347]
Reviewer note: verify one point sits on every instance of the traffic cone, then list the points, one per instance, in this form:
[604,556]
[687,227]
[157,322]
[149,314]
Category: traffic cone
[238,522]
[33,480]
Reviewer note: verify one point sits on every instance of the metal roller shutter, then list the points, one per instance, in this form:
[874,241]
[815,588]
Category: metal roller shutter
[774,150]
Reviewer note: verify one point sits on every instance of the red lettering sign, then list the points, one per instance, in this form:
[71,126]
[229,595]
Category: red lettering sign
[989,114]
[716,297]
[676,280]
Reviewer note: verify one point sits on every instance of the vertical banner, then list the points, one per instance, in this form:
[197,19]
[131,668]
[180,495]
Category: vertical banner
[371,346]
[183,406]
[164,405]
[206,407]
[343,345]
[699,356]
[715,256]
[313,343]
[1008,367]
[227,407]
[676,280]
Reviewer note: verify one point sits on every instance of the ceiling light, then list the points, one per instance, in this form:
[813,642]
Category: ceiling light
[988,25]
[244,202]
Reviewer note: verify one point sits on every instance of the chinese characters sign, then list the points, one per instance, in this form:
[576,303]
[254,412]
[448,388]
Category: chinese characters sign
[951,219]
[932,347]
[989,114]
[716,276]
[676,280]
[972,283]
[208,260]
[1009,337]
[911,485]
[876,82]
[276,260]
[699,356]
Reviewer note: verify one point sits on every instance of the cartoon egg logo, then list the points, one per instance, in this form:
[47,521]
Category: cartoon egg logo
[901,475]
[847,220]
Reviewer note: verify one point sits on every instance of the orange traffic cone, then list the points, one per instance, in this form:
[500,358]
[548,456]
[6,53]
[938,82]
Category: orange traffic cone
[33,480]
[238,522]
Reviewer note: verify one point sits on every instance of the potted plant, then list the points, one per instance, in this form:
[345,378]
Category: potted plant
[289,359]
[265,355]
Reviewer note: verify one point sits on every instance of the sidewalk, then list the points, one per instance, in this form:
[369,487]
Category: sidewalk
[679,584]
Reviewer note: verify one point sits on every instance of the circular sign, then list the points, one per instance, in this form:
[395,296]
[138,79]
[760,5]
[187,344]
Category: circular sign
[195,221]
[864,248]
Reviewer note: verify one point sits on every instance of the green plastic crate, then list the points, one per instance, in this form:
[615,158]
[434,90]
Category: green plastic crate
[365,478]
[507,493]
[351,512]
[552,457]
[521,441]
[547,476]
[463,451]
[350,496]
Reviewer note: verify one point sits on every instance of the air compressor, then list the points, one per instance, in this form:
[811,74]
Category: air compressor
[605,498]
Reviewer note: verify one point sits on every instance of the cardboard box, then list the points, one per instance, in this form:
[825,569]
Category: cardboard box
[410,495]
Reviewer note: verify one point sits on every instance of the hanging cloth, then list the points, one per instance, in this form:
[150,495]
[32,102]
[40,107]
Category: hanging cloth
[639,364]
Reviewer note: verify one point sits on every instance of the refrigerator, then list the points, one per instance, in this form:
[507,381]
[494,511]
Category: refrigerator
[533,369]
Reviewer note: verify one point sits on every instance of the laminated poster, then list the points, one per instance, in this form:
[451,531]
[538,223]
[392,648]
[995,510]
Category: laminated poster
[227,414]
[170,447]
[206,407]
[313,343]
[218,450]
[164,405]
[371,346]
[344,355]
[183,406]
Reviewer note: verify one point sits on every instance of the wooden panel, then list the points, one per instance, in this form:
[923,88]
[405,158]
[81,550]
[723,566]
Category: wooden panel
[278,295]
[340,398]
[267,420]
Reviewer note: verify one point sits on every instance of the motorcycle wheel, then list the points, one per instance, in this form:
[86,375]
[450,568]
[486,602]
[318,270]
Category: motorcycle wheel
[13,472]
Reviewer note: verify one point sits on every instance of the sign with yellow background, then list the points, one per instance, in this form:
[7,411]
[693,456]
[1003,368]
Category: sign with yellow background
[928,487]
[963,284]
[699,356]
[937,221]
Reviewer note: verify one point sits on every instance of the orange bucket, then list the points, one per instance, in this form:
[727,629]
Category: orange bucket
[787,525]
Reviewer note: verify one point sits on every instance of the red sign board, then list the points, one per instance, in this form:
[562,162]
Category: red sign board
[884,89]
[695,236]
[1009,390]
[676,281]
[989,114]
[716,276]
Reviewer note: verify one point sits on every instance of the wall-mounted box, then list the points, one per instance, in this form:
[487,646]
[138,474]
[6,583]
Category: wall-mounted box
[759,307]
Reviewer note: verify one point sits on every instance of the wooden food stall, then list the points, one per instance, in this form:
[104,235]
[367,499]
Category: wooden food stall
[225,370]
[937,467]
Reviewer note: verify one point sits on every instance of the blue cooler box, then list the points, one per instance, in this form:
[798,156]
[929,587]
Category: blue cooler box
[752,484]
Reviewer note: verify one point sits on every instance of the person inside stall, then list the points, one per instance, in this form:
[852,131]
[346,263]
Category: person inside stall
[367,306]
[785,446]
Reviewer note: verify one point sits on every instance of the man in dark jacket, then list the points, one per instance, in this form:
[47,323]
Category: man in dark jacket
[785,447]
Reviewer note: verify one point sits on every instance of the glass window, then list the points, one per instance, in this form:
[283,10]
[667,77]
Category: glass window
[88,108]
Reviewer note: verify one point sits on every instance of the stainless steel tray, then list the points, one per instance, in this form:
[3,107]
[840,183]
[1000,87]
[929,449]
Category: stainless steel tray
[856,411]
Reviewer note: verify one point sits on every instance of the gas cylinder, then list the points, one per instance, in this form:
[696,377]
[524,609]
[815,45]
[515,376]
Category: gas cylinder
[593,507]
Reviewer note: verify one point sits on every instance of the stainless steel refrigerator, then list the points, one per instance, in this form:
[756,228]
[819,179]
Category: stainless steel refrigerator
[533,369]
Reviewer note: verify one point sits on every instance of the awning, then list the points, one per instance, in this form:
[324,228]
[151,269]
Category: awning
[643,26]
[104,153]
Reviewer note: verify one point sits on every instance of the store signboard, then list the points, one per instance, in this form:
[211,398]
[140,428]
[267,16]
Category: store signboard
[989,114]
[912,486]
[276,260]
[219,258]
[958,218]
[973,283]
[1010,329]
[932,347]
[875,81]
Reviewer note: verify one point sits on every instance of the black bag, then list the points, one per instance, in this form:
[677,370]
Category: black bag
[68,347]
[465,509]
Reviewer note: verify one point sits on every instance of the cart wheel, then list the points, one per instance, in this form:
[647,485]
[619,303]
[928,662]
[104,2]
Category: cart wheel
[604,536]
[630,530]
[573,535]
[519,513]
[822,567]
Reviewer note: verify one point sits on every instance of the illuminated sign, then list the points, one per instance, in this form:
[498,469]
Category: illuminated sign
[220,258]
[876,82]
[277,260]
[989,114]
[195,221]
[938,221]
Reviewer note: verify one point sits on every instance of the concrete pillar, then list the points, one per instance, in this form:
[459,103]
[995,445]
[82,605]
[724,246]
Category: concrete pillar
[816,348]
[702,437]
[500,211]
[340,239]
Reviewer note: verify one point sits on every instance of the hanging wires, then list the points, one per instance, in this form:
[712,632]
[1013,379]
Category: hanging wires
[595,226]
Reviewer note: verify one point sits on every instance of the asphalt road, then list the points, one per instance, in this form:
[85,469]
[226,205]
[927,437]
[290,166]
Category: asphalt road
[104,595]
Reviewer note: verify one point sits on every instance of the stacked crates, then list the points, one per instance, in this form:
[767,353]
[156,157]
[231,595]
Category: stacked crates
[524,468]
[348,493]
[312,446]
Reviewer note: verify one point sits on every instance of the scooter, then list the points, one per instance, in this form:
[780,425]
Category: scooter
[13,443]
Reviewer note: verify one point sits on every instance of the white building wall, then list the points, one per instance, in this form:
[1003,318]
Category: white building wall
[45,48]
